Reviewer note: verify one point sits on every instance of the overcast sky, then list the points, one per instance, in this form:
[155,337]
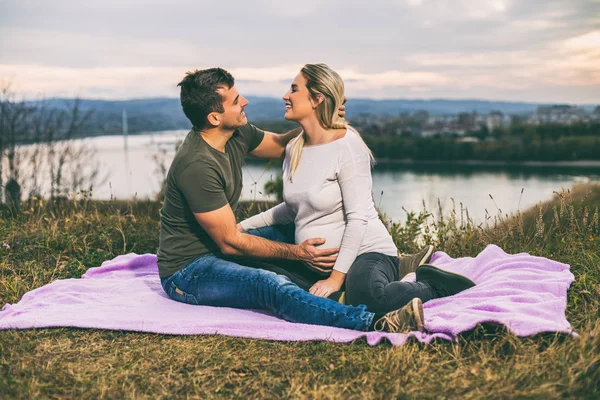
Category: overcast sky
[522,50]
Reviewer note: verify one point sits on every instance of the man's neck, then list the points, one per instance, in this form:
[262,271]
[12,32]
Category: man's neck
[216,138]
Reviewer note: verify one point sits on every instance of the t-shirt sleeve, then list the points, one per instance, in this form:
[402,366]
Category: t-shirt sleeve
[202,187]
[252,136]
[354,178]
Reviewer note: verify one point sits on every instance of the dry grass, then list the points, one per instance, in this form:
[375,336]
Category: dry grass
[61,241]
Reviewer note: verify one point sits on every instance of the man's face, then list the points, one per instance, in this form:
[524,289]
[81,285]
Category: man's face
[233,115]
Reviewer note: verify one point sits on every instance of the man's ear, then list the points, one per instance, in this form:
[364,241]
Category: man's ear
[214,119]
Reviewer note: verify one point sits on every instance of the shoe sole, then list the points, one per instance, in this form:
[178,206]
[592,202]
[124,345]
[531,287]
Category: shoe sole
[405,270]
[456,282]
[417,306]
[426,256]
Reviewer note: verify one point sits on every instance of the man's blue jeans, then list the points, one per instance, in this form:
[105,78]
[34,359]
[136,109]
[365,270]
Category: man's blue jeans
[214,281]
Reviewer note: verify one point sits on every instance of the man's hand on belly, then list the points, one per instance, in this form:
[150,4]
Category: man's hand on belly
[321,260]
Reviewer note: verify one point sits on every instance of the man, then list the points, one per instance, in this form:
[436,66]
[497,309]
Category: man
[198,227]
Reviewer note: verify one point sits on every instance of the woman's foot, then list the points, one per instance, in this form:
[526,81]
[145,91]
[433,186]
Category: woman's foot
[406,319]
[410,262]
[442,282]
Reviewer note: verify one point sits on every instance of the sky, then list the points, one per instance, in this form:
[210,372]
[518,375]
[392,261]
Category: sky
[516,50]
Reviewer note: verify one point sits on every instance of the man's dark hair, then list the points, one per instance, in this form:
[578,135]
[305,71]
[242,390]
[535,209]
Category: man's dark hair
[199,95]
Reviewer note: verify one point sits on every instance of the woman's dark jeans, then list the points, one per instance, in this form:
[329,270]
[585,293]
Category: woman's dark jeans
[373,279]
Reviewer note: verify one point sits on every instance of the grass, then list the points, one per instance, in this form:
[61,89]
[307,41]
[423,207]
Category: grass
[62,240]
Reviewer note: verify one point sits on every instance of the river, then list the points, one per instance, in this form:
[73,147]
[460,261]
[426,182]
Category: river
[482,189]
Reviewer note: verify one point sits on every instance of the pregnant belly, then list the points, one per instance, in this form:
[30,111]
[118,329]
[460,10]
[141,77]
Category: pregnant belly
[332,233]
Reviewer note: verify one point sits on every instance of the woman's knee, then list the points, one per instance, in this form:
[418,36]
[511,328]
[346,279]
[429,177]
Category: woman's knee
[366,283]
[367,270]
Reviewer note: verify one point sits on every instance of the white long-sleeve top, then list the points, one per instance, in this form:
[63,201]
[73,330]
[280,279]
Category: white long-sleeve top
[330,197]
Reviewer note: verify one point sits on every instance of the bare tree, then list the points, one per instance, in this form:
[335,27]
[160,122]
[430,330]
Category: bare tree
[161,159]
[53,157]
[14,117]
[55,128]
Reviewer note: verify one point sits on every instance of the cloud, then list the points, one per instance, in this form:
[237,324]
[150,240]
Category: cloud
[125,82]
[297,9]
[564,84]
[589,41]
[579,59]
[571,62]
[458,9]
[116,82]
[479,48]
[394,78]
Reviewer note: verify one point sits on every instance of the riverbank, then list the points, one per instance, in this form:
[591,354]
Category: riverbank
[584,164]
[57,241]
[592,166]
[595,164]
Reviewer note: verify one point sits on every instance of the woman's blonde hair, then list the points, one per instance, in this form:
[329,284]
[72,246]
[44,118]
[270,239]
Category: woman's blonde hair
[320,79]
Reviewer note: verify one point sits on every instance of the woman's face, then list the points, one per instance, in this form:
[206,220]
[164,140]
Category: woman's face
[298,102]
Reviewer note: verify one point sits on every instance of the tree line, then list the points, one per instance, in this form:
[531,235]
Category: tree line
[572,148]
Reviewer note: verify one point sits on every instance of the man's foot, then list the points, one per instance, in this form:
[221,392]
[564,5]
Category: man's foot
[410,262]
[442,282]
[406,319]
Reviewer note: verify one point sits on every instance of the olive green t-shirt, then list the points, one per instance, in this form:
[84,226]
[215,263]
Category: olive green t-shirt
[200,179]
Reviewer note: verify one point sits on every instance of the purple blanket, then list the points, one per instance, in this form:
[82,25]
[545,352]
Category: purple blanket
[527,294]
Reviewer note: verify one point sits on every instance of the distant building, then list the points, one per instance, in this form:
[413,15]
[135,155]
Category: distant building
[429,132]
[446,130]
[494,120]
[465,119]
[559,114]
[422,116]
[459,131]
[480,120]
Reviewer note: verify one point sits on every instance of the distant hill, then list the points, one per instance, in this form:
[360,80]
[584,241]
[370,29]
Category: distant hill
[158,114]
[143,115]
[262,108]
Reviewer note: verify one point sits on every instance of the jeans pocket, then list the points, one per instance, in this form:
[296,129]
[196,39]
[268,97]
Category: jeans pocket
[179,295]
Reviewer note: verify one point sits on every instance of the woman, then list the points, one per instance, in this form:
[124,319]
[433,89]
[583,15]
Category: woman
[327,192]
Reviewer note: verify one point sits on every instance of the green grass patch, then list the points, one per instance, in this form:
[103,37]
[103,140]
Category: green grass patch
[51,241]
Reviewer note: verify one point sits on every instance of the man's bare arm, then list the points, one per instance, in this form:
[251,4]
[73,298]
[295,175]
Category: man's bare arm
[273,144]
[221,226]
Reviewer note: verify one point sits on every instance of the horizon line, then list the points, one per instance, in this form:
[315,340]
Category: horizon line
[349,99]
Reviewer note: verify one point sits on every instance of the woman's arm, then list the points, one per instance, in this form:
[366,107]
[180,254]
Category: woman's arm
[354,178]
[281,214]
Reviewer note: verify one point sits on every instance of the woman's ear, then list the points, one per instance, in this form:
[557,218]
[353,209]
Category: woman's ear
[318,99]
